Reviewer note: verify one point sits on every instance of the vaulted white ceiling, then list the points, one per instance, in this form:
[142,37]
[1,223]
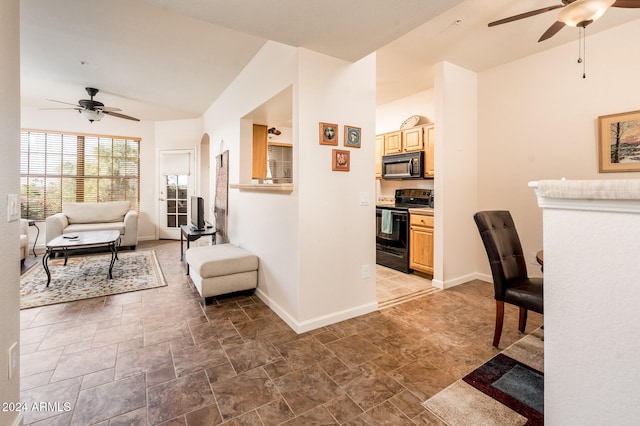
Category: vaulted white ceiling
[170,59]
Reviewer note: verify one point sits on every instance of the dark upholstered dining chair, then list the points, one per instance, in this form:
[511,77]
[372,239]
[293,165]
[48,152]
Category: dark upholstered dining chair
[511,283]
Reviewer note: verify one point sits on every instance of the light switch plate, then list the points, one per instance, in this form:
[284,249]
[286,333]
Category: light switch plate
[364,198]
[13,207]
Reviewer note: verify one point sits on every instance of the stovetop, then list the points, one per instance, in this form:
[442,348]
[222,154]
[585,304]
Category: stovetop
[410,198]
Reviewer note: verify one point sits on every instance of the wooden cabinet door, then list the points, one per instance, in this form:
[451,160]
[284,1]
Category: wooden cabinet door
[259,160]
[429,165]
[412,139]
[421,249]
[393,143]
[379,154]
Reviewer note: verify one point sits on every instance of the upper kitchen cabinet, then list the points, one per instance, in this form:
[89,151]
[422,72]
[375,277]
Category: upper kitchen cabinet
[392,143]
[412,139]
[259,163]
[418,138]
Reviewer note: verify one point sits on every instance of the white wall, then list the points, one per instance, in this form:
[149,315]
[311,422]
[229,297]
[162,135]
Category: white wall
[456,156]
[336,233]
[592,320]
[264,223]
[538,120]
[9,172]
[313,241]
[391,115]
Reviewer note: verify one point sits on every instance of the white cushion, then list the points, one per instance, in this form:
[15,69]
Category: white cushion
[219,260]
[109,211]
[82,227]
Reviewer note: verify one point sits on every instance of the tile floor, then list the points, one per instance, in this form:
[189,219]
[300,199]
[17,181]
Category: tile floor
[393,287]
[157,357]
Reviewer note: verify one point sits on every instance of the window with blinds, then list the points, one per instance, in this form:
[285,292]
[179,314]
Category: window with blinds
[59,167]
[280,162]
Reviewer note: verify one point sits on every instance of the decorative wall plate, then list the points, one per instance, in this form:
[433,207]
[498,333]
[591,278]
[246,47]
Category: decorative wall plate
[410,122]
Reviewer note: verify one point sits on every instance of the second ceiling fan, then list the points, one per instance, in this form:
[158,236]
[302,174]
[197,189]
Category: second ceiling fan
[576,13]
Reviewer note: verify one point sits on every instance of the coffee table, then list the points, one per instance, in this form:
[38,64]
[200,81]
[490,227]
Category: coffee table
[68,243]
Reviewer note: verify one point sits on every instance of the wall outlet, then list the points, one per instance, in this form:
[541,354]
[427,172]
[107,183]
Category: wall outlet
[364,198]
[13,360]
[366,272]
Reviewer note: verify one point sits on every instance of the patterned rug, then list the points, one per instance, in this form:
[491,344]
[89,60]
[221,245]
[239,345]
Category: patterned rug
[506,390]
[85,277]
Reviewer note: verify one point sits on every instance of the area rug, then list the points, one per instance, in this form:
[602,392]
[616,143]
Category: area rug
[86,277]
[506,390]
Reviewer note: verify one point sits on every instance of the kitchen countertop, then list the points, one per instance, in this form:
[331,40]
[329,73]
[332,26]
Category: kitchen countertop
[425,211]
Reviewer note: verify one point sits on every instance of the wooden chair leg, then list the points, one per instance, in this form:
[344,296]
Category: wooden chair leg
[522,321]
[499,321]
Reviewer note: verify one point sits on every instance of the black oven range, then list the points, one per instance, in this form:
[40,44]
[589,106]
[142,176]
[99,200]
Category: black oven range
[392,227]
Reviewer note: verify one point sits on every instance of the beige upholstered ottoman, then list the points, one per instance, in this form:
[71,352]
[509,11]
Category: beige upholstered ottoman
[221,269]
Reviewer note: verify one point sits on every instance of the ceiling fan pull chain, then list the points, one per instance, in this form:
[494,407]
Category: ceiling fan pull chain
[582,50]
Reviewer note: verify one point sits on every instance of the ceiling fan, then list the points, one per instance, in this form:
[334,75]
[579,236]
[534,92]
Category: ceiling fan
[94,110]
[576,13]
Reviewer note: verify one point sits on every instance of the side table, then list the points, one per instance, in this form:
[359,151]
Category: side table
[188,233]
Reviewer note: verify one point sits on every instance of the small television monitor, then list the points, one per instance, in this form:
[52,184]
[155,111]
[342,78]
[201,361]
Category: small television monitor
[197,213]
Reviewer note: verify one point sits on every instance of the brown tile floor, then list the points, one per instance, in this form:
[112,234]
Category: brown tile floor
[158,357]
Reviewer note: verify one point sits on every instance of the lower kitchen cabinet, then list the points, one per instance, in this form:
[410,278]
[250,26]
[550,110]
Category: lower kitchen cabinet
[421,243]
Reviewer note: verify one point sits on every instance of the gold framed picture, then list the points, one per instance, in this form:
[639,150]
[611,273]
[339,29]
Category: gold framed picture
[341,160]
[619,142]
[352,136]
[328,134]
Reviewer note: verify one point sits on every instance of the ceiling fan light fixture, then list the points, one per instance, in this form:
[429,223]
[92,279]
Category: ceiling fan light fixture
[92,114]
[581,13]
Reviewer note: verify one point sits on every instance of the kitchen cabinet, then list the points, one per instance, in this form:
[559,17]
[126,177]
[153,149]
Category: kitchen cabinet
[421,242]
[393,143]
[379,154]
[259,160]
[419,138]
[400,141]
[428,151]
[412,139]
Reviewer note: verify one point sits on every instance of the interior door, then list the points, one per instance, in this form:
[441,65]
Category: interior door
[176,186]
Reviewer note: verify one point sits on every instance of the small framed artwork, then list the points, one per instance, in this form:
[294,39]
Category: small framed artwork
[328,134]
[619,142]
[341,160]
[352,136]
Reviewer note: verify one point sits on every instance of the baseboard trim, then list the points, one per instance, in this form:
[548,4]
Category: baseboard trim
[443,285]
[315,323]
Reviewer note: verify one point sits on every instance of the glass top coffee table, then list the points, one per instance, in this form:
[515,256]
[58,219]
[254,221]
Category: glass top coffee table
[68,243]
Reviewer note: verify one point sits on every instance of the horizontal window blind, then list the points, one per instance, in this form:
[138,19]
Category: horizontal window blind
[57,167]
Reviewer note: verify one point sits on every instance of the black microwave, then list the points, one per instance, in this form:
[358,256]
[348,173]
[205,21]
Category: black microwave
[409,165]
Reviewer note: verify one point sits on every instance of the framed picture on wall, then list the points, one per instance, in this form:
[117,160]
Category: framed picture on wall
[619,142]
[352,136]
[340,160]
[328,134]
